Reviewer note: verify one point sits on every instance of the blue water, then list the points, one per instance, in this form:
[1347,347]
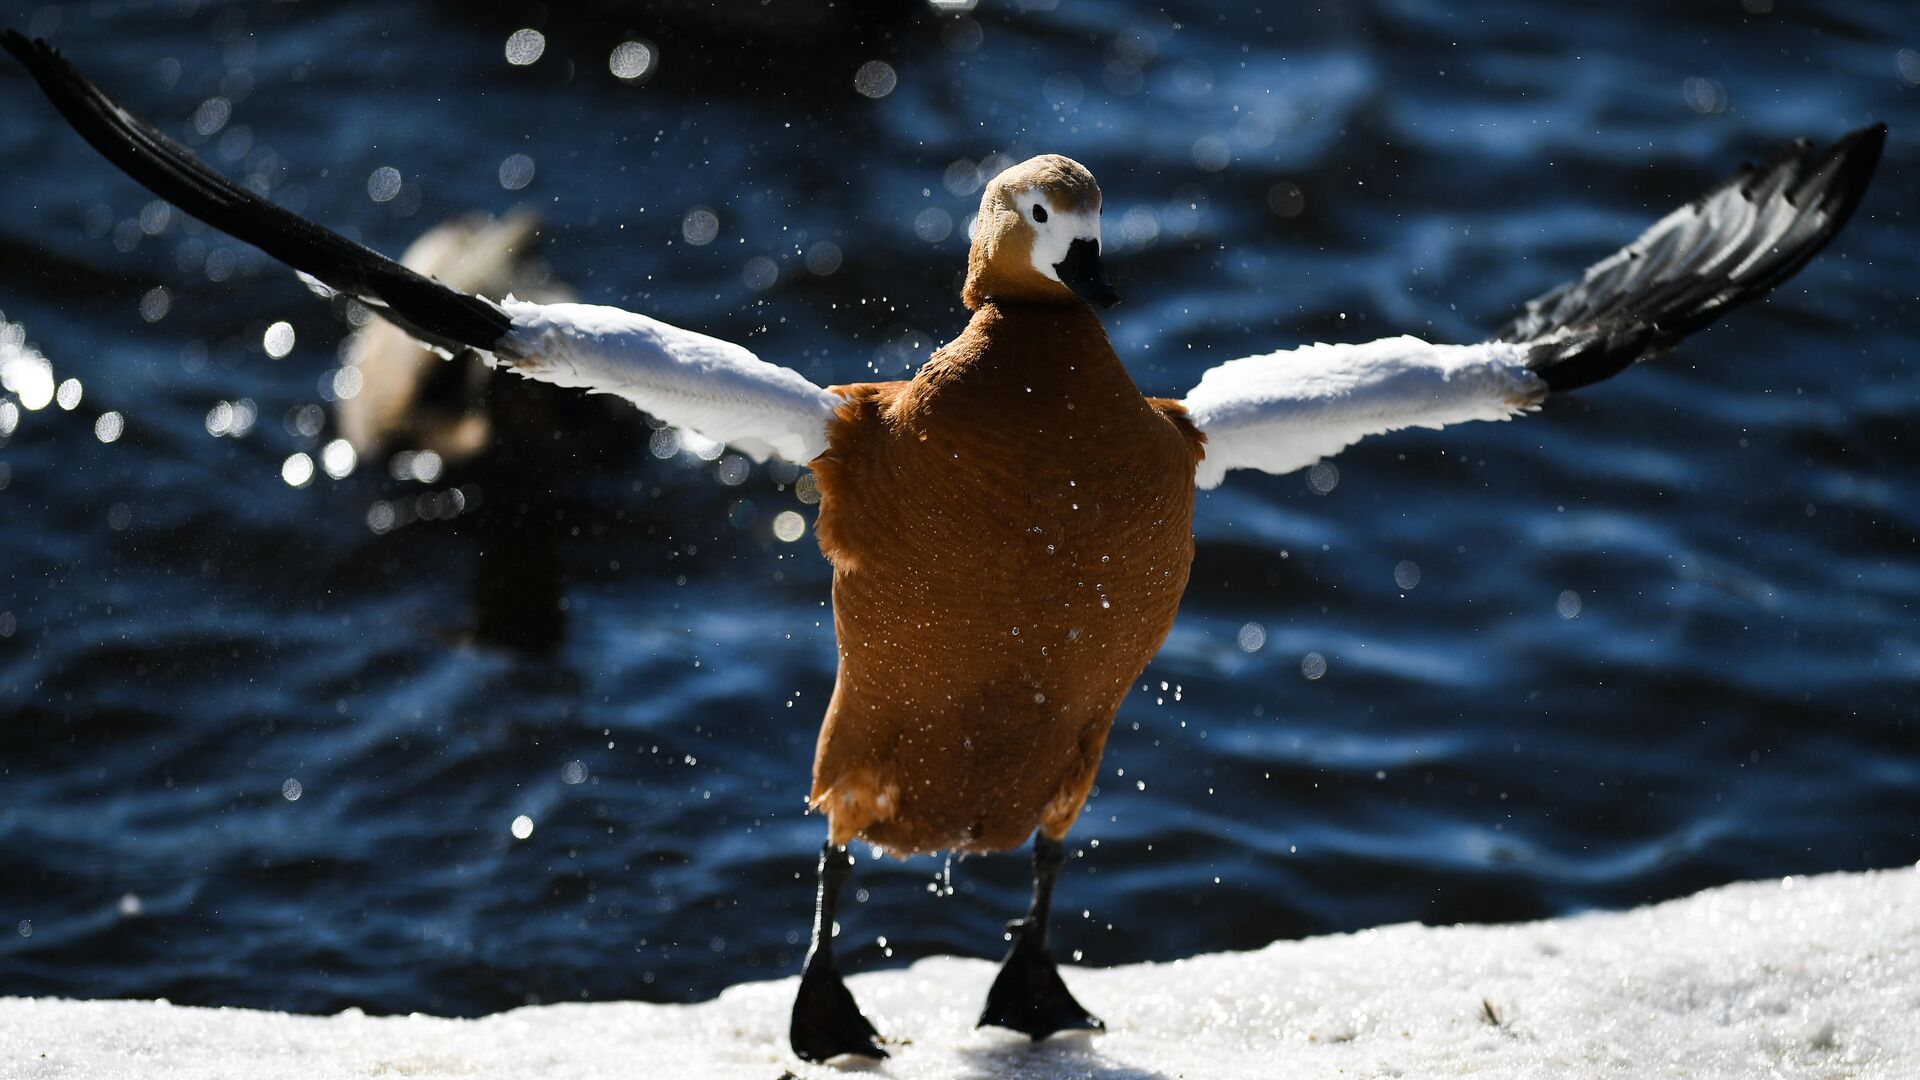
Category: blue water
[1732,528]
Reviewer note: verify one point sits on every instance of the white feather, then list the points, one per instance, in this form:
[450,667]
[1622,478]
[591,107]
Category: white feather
[703,384]
[1286,410]
[1055,236]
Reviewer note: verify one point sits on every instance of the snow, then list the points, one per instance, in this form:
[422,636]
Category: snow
[1802,977]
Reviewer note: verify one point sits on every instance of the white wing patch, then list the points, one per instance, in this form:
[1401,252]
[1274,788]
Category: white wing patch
[1286,410]
[706,385]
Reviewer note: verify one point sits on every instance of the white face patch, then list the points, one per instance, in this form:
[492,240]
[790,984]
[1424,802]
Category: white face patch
[1052,237]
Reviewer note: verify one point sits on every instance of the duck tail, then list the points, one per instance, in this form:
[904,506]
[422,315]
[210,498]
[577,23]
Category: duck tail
[1724,249]
[421,306]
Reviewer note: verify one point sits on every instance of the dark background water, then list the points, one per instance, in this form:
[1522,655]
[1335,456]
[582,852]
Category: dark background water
[182,632]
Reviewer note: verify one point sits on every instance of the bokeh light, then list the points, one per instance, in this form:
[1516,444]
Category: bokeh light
[631,61]
[297,470]
[516,172]
[525,46]
[278,340]
[875,79]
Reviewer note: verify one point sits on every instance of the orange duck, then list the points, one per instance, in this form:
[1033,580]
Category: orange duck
[1010,529]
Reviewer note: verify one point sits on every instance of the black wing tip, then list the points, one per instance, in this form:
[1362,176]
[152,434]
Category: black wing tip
[1874,134]
[1858,155]
[35,53]
[1835,178]
[423,307]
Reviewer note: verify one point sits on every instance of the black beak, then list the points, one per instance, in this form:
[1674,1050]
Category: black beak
[1081,272]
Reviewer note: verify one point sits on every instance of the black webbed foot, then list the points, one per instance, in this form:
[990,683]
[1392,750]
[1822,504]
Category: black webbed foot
[826,1022]
[1029,996]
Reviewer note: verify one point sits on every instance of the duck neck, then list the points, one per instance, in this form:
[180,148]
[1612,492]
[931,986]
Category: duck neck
[1028,341]
[1029,365]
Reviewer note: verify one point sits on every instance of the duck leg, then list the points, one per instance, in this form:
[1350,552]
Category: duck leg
[1028,995]
[826,1023]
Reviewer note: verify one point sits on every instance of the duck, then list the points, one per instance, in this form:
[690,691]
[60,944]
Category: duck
[410,397]
[1010,529]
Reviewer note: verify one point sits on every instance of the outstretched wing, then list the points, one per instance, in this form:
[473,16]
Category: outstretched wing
[1285,410]
[690,380]
[713,387]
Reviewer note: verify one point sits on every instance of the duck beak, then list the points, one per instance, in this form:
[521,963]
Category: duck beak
[1081,272]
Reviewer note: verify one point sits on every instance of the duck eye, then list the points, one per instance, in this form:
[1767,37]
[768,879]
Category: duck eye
[1039,212]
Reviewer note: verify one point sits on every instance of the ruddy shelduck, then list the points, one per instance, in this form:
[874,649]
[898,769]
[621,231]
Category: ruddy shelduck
[1010,529]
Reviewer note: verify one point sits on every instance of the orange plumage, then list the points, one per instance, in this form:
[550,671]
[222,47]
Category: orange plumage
[1010,532]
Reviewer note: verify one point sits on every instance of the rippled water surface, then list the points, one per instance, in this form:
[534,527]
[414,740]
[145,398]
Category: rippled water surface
[266,744]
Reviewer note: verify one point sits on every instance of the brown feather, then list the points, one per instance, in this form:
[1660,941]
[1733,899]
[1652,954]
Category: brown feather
[1010,533]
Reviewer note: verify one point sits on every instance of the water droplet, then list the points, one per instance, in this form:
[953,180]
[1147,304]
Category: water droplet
[732,470]
[381,517]
[212,115]
[875,79]
[516,172]
[933,225]
[1211,153]
[1063,90]
[291,790]
[347,382]
[383,184]
[67,396]
[1907,63]
[338,458]
[823,258]
[574,773]
[306,420]
[525,46]
[107,428]
[156,303]
[962,178]
[1406,574]
[760,273]
[1252,637]
[631,61]
[1323,477]
[1568,604]
[522,827]
[1708,97]
[789,526]
[154,217]
[1286,199]
[1140,226]
[1313,666]
[278,340]
[700,226]
[297,470]
[426,466]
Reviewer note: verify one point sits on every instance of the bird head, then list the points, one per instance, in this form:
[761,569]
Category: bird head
[1037,238]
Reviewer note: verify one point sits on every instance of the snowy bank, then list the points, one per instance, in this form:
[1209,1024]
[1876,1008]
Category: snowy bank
[1814,977]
